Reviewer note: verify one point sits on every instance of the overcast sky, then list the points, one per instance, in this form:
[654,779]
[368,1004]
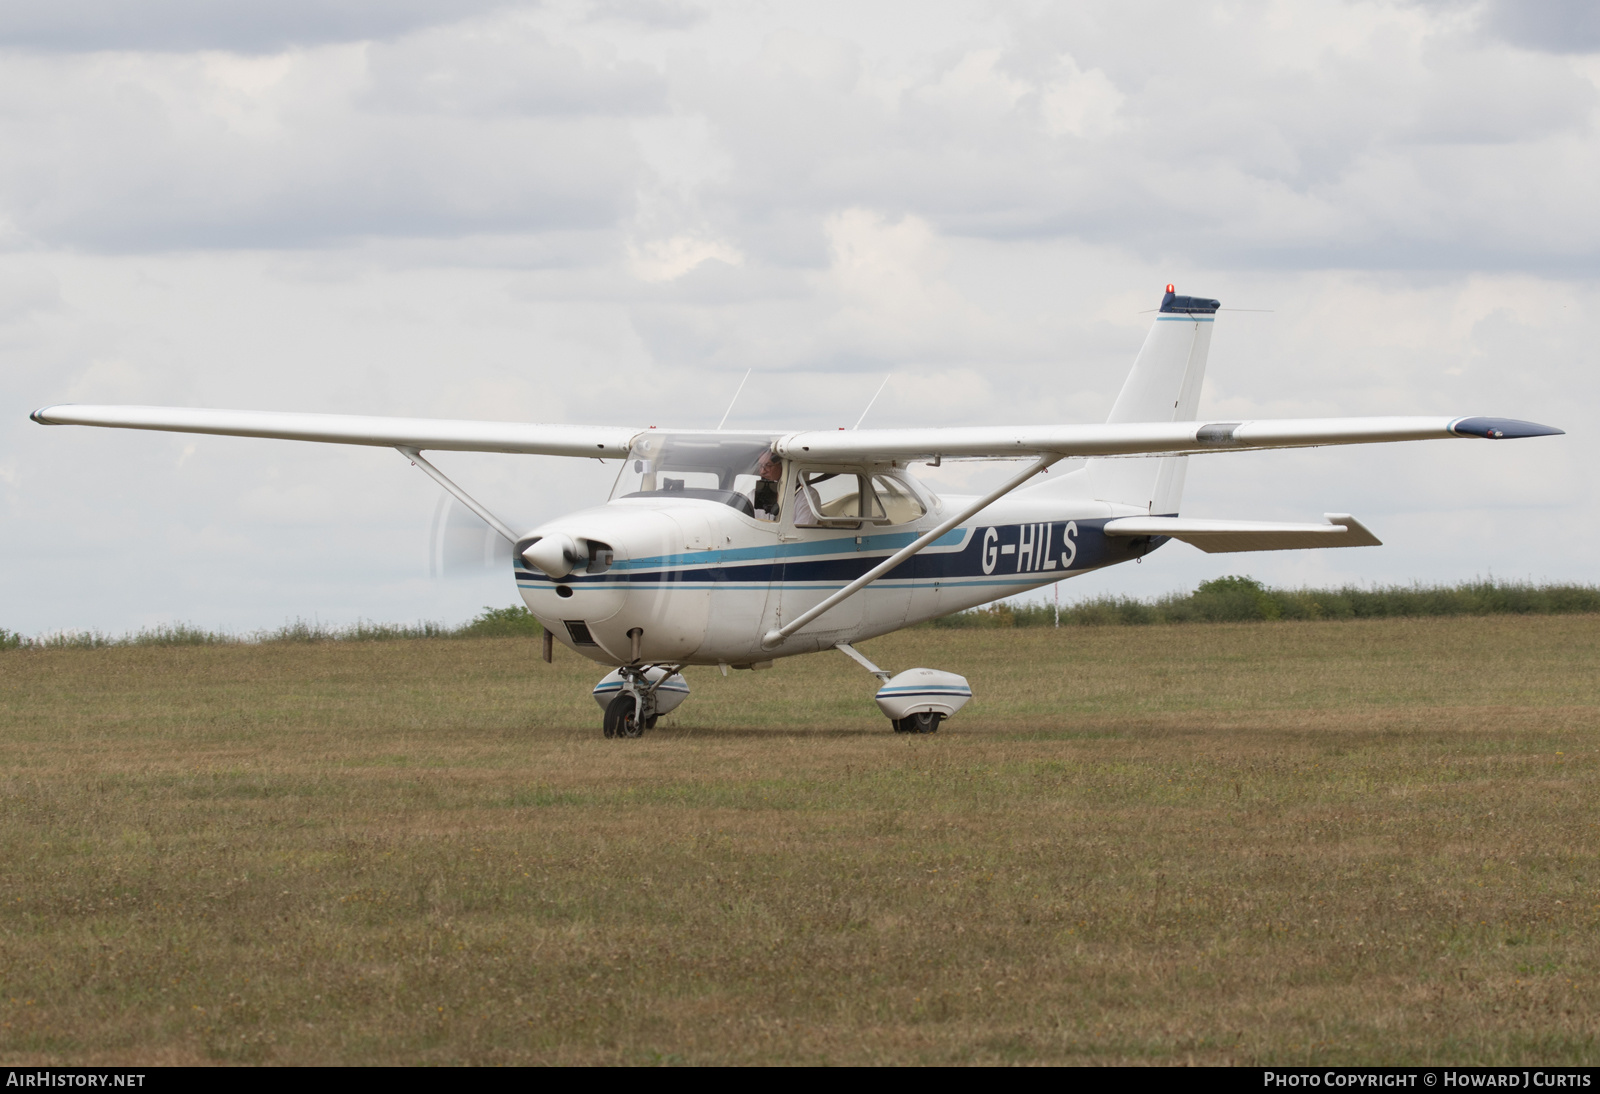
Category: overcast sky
[605,212]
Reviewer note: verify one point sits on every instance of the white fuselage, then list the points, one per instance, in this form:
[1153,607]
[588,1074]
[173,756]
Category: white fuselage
[703,582]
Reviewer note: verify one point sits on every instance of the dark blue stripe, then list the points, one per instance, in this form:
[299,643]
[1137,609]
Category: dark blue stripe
[1093,548]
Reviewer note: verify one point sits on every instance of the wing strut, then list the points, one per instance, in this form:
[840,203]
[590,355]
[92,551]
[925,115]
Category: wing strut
[459,494]
[861,659]
[774,637]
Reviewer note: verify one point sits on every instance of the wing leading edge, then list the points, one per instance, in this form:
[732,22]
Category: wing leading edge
[1142,438]
[436,434]
[1109,439]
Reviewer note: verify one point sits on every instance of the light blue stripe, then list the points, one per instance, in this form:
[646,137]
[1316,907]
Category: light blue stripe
[750,583]
[843,546]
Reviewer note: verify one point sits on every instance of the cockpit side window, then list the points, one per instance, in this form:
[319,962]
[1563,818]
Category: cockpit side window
[727,469]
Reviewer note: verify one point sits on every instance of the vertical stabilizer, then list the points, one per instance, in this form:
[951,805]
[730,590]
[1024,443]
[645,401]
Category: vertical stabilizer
[1164,386]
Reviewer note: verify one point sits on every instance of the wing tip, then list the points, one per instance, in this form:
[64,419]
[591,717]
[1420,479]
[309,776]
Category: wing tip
[42,416]
[1495,429]
[1360,535]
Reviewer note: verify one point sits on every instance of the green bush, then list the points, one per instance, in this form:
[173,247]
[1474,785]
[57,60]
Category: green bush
[1234,600]
[72,640]
[1244,599]
[178,634]
[513,622]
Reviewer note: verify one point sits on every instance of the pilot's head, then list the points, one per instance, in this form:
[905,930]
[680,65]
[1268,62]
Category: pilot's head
[769,467]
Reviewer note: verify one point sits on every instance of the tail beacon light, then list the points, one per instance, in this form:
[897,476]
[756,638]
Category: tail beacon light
[923,691]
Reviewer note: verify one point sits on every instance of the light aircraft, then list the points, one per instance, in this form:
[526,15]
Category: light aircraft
[734,549]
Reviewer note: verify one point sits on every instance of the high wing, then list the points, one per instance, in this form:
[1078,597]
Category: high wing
[1226,536]
[1109,439]
[1140,438]
[441,434]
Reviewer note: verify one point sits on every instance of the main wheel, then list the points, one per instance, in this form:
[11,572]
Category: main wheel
[620,718]
[926,721]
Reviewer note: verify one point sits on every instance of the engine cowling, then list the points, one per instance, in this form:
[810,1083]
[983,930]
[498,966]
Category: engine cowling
[583,581]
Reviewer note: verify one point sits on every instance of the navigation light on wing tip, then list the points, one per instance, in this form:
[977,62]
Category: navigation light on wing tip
[1495,429]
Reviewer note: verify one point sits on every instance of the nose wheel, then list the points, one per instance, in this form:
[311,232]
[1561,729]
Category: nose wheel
[622,718]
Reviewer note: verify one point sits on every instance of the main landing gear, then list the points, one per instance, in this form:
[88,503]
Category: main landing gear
[917,700]
[634,697]
[926,721]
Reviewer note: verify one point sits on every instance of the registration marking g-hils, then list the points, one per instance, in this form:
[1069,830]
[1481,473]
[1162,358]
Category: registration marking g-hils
[1034,548]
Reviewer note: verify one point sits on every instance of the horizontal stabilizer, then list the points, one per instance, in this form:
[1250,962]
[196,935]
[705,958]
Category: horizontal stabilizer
[1225,536]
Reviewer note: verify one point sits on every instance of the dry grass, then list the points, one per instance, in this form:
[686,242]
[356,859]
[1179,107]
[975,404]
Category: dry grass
[1285,843]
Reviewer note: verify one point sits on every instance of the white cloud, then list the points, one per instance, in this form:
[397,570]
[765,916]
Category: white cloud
[670,259]
[1078,103]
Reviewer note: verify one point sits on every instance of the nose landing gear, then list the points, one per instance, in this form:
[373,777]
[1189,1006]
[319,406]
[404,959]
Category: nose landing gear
[634,697]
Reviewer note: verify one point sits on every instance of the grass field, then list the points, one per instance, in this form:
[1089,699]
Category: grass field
[1255,843]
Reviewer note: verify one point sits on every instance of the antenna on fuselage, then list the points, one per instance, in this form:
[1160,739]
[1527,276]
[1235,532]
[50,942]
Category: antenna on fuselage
[872,400]
[735,398]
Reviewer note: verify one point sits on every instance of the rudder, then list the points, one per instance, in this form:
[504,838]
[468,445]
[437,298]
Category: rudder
[1164,386]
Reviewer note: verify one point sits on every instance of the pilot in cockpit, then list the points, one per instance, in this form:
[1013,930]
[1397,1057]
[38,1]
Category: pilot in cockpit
[769,470]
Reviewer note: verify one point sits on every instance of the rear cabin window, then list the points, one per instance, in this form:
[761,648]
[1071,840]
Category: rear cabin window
[844,499]
[899,503]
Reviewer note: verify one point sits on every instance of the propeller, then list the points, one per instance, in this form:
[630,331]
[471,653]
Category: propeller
[460,544]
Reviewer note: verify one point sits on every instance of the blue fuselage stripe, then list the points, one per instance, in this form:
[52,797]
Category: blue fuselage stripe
[994,556]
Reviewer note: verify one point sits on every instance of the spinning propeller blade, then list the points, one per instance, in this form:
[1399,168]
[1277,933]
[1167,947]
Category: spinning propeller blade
[460,544]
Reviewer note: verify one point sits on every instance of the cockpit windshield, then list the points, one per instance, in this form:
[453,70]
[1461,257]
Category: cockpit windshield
[730,468]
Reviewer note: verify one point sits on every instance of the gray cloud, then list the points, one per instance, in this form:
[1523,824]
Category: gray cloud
[504,70]
[1396,137]
[1419,150]
[1555,26]
[244,26]
[141,153]
[655,14]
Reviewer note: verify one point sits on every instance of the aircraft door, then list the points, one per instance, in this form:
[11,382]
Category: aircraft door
[816,563]
[840,524]
[891,597]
